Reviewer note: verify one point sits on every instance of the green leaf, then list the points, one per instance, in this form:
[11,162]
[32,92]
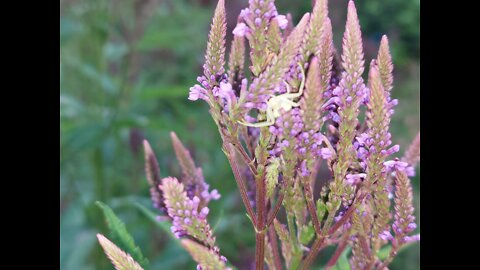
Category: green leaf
[306,234]
[342,263]
[382,254]
[122,236]
[272,176]
[321,209]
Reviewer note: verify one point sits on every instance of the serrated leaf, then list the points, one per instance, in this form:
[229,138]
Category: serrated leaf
[321,209]
[272,175]
[306,234]
[118,257]
[121,235]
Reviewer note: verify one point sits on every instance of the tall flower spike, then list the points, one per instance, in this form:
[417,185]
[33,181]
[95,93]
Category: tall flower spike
[325,55]
[311,41]
[316,27]
[412,155]
[318,79]
[213,69]
[258,16]
[311,103]
[352,56]
[404,218]
[378,118]
[215,56]
[206,258]
[385,66]
[183,156]
[119,259]
[192,176]
[377,141]
[317,84]
[236,62]
[262,87]
[349,93]
[188,219]
[153,176]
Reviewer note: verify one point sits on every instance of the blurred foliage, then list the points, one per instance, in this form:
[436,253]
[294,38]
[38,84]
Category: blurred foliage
[125,70]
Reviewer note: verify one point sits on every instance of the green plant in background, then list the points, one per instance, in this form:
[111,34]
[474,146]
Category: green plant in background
[125,71]
[104,102]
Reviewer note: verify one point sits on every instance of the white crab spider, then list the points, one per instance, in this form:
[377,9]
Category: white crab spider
[276,103]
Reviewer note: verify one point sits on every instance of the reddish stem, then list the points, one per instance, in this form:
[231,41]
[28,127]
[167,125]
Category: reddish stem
[341,247]
[278,204]
[311,205]
[240,182]
[261,193]
[273,243]
[246,158]
[313,253]
[347,215]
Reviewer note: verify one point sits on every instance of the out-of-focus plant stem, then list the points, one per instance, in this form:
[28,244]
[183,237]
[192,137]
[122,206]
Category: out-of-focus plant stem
[311,205]
[340,248]
[272,236]
[230,153]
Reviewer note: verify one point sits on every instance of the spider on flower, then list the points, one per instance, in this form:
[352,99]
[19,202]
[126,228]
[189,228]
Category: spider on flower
[276,103]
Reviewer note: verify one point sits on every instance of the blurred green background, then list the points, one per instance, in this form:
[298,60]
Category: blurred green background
[125,70]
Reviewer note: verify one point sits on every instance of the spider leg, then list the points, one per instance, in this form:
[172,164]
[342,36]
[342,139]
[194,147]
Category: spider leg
[270,116]
[259,124]
[300,89]
[265,123]
[287,86]
[245,123]
[302,84]
[270,120]
[292,103]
